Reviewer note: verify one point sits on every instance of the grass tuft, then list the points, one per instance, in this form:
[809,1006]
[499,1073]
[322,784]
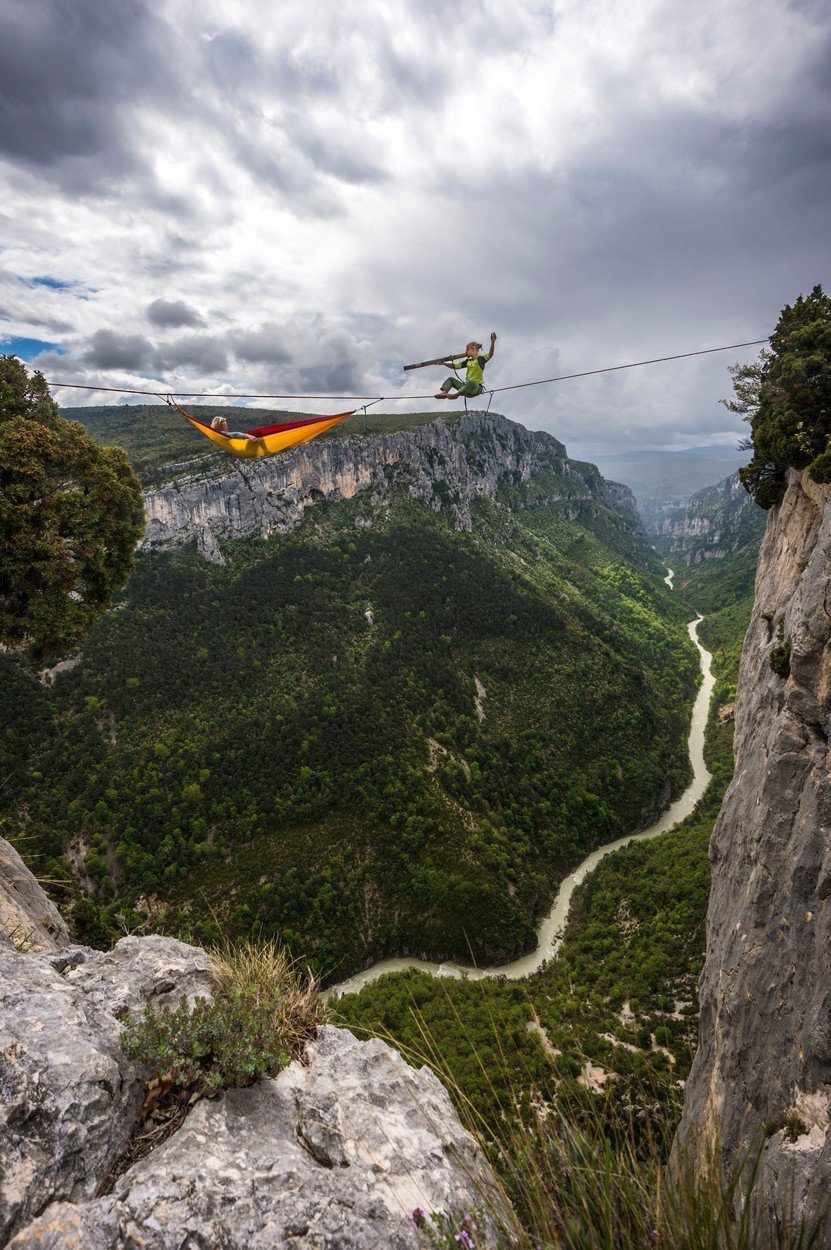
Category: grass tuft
[262,1011]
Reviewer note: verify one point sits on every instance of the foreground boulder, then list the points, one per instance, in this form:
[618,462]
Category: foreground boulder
[334,1152]
[68,1095]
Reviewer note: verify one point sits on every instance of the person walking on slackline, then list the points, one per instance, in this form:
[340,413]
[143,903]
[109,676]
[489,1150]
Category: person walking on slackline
[474,383]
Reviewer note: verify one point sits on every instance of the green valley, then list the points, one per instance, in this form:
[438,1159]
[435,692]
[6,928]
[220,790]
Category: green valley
[615,1011]
[375,734]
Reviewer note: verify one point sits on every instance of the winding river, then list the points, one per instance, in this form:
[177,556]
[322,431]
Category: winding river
[550,932]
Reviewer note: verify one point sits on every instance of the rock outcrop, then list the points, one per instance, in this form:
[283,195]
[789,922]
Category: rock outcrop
[68,1095]
[446,464]
[764,1057]
[713,523]
[334,1152]
[28,919]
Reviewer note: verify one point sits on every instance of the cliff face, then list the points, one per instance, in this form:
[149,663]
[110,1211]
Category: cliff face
[712,524]
[28,919]
[446,465]
[764,1054]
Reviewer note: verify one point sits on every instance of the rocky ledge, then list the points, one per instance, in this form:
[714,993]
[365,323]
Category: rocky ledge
[334,1152]
[446,464]
[28,919]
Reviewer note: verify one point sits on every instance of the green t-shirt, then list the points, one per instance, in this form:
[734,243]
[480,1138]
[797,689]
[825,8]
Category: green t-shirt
[475,365]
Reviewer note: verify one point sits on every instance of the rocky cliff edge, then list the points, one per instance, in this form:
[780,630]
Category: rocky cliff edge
[446,464]
[763,1067]
[334,1152]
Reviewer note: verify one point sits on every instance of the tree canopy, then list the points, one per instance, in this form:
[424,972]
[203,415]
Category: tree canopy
[71,513]
[786,398]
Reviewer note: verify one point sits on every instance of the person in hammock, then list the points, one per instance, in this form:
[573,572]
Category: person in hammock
[474,383]
[221,425]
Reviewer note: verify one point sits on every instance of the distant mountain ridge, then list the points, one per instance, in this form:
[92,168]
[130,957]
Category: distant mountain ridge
[447,464]
[663,479]
[715,522]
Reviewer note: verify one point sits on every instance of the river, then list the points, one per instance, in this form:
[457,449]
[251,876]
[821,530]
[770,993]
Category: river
[550,931]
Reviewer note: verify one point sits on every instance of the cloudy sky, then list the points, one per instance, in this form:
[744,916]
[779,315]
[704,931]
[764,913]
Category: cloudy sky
[303,197]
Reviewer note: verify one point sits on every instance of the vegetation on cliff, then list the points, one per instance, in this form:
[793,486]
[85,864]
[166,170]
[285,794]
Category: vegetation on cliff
[71,514]
[786,398]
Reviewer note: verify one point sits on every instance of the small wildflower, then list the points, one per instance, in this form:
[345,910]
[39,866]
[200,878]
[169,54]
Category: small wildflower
[464,1239]
[418,1217]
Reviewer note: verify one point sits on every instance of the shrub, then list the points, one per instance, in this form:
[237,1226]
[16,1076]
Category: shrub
[261,1013]
[780,660]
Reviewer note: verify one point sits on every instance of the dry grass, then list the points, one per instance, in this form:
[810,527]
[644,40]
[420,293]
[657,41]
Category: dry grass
[259,968]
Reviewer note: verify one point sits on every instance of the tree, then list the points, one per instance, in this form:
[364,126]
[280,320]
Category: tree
[786,399]
[71,513]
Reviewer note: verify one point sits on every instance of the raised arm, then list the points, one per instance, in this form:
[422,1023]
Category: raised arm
[493,343]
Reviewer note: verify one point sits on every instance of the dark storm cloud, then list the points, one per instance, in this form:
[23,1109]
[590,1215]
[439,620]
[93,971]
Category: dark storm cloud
[68,68]
[333,366]
[176,312]
[259,346]
[205,353]
[110,350]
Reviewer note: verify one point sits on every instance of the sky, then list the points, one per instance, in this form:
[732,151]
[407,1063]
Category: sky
[304,197]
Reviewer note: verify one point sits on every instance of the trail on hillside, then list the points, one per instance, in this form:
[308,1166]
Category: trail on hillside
[552,927]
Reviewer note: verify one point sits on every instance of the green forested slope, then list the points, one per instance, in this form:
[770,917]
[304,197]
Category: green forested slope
[618,1002]
[242,749]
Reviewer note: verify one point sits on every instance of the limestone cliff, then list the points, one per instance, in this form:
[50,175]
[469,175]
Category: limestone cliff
[711,524]
[446,464]
[764,1056]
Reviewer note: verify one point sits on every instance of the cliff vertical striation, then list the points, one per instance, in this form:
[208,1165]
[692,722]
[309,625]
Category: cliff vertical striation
[764,1056]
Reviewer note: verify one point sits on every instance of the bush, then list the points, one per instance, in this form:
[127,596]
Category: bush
[780,660]
[261,1013]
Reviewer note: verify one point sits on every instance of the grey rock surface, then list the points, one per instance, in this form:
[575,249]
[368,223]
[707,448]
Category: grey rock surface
[28,919]
[445,464]
[68,1095]
[333,1154]
[713,523]
[764,1052]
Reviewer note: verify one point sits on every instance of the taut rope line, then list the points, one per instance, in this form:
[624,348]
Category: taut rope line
[377,399]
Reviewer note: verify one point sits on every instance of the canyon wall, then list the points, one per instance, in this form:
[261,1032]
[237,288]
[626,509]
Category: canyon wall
[446,464]
[763,1067]
[711,524]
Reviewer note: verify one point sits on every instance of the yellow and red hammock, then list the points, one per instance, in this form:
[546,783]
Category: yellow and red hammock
[266,440]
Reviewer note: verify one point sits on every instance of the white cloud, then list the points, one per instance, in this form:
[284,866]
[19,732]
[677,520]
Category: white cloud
[363,184]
